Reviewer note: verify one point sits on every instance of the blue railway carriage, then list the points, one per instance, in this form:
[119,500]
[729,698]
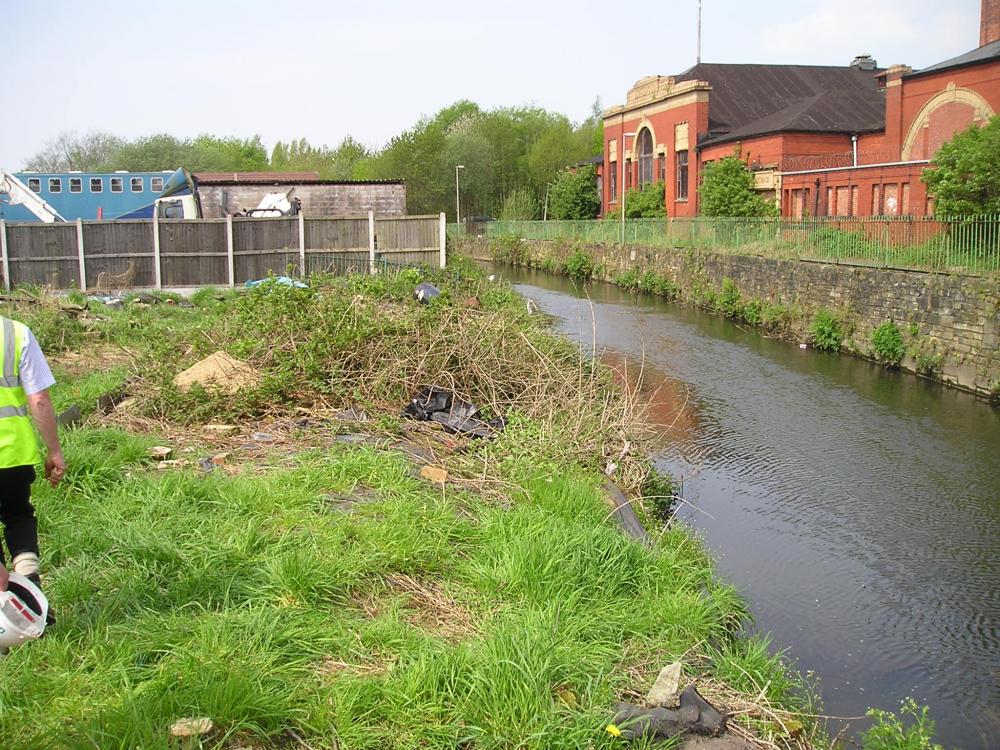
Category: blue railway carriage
[88,195]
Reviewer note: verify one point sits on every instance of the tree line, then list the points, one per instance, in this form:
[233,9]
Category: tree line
[511,156]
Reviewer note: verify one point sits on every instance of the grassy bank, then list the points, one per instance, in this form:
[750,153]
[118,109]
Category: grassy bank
[309,588]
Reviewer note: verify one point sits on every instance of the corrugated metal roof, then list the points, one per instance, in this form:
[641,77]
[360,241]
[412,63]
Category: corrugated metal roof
[986,53]
[749,100]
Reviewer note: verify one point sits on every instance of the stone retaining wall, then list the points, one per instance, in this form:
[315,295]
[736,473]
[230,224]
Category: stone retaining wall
[956,317]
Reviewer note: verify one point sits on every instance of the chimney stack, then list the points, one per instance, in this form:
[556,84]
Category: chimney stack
[989,22]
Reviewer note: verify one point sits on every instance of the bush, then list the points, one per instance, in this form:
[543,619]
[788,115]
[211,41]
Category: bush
[728,302]
[889,733]
[573,195]
[647,283]
[519,205]
[887,344]
[647,202]
[580,265]
[727,189]
[826,332]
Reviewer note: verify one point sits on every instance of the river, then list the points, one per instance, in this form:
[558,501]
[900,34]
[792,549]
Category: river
[856,509]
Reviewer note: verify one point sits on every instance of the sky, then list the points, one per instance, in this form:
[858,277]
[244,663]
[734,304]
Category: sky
[324,70]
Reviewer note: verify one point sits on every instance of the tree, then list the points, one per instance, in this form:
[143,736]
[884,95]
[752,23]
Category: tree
[965,177]
[573,195]
[93,152]
[727,190]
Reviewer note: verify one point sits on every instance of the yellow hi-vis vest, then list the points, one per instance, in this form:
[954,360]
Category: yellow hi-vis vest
[18,444]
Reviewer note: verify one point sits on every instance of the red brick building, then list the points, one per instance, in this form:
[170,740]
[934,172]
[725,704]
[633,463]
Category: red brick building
[821,140]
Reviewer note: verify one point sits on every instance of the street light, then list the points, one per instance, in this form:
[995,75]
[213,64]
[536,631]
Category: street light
[622,159]
[458,209]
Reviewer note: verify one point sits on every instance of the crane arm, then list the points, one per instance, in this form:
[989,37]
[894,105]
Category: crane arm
[21,195]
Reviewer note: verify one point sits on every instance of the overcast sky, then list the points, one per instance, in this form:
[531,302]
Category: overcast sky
[324,70]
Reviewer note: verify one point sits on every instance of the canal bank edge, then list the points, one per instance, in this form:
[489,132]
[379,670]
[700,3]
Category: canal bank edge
[950,325]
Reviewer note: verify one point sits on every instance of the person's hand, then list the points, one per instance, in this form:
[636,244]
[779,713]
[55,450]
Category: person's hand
[55,467]
[4,577]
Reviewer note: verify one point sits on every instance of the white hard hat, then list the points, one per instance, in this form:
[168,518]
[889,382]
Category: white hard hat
[23,607]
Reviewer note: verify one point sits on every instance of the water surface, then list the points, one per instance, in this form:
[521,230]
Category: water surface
[856,509]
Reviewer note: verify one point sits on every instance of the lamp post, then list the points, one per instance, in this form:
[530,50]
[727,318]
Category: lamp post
[622,159]
[458,209]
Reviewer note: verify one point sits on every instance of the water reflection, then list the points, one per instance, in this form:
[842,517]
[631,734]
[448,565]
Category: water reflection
[857,509]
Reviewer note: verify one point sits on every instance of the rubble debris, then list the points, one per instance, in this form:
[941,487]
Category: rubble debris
[207,465]
[425,292]
[221,458]
[262,437]
[191,727]
[108,300]
[171,463]
[71,417]
[665,692]
[436,404]
[352,414]
[218,371]
[160,452]
[695,716]
[220,429]
[434,474]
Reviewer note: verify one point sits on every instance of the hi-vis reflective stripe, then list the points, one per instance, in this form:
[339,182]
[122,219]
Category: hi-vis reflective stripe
[13,411]
[10,378]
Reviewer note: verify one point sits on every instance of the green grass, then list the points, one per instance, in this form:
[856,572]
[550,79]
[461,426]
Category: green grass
[511,616]
[182,595]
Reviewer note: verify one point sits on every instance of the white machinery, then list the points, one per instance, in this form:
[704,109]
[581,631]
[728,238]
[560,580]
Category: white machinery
[275,204]
[21,195]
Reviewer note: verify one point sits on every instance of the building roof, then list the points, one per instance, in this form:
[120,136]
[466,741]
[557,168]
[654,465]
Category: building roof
[986,53]
[279,178]
[749,100]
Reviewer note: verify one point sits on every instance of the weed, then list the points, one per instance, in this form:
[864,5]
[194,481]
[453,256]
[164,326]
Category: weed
[728,302]
[887,344]
[890,733]
[826,332]
[579,265]
[752,312]
[648,282]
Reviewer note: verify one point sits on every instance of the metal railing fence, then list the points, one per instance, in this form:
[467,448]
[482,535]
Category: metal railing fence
[960,245]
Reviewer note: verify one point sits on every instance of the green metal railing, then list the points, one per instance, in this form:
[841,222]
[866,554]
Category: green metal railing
[961,245]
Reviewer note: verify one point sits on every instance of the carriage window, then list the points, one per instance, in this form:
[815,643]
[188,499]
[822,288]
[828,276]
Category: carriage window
[96,185]
[55,185]
[76,184]
[156,184]
[117,184]
[136,184]
[34,184]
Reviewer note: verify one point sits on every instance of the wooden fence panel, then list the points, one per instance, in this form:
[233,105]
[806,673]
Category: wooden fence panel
[410,233]
[336,234]
[265,246]
[193,252]
[43,254]
[119,255]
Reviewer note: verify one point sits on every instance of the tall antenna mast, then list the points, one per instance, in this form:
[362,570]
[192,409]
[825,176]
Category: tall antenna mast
[699,31]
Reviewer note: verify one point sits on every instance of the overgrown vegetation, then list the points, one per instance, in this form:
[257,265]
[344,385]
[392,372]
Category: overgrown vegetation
[727,189]
[323,595]
[647,282]
[887,344]
[965,176]
[646,202]
[826,331]
[890,731]
[579,265]
[573,194]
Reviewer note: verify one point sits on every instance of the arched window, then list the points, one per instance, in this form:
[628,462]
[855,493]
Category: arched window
[645,149]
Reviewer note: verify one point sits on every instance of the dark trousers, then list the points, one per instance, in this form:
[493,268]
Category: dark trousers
[20,527]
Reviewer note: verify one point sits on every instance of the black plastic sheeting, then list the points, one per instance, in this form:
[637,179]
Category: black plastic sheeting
[695,715]
[435,404]
[425,292]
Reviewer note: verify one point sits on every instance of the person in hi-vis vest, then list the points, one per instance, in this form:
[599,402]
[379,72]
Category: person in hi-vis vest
[25,378]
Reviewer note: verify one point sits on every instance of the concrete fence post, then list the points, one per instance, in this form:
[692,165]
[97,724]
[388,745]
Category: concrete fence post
[371,242]
[80,255]
[302,245]
[3,255]
[442,233]
[156,252]
[230,259]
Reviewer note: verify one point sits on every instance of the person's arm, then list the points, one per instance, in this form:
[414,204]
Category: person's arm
[45,420]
